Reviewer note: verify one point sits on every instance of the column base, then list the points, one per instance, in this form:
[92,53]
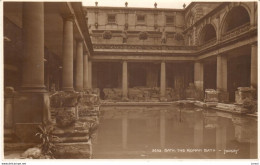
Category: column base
[36,89]
[79,90]
[31,109]
[125,98]
[163,99]
[70,89]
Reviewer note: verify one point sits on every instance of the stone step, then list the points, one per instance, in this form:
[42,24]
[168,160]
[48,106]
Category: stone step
[70,133]
[72,139]
[80,150]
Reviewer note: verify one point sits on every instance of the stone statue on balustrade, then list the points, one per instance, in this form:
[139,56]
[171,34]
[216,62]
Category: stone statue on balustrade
[164,37]
[124,36]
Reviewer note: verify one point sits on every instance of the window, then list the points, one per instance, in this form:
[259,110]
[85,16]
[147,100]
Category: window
[169,20]
[111,18]
[140,19]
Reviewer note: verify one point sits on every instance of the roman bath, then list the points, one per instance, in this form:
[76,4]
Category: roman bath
[99,82]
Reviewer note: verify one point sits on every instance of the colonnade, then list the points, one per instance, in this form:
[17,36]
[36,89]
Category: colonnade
[33,50]
[33,67]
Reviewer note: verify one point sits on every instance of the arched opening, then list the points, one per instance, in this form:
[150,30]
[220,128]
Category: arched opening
[237,16]
[208,33]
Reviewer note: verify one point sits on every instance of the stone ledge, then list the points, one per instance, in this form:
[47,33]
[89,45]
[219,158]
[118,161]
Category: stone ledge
[69,133]
[231,108]
[135,103]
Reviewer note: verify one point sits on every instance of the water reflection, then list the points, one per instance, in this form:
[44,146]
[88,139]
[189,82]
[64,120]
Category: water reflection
[174,132]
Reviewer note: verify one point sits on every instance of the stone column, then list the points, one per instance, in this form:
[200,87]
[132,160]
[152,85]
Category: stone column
[254,66]
[31,105]
[198,75]
[33,47]
[79,66]
[222,73]
[89,74]
[219,73]
[163,80]
[67,61]
[124,80]
[222,78]
[85,71]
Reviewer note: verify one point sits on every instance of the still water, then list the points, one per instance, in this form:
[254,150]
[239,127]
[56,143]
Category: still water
[174,132]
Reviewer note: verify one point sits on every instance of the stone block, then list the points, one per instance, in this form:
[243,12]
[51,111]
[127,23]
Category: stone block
[89,100]
[26,132]
[8,112]
[56,99]
[80,150]
[66,117]
[211,95]
[29,107]
[244,93]
[232,108]
[71,100]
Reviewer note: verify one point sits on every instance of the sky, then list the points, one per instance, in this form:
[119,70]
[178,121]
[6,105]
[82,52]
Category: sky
[176,4]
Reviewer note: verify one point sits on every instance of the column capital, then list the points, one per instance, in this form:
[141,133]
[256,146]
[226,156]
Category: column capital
[124,60]
[68,17]
[198,61]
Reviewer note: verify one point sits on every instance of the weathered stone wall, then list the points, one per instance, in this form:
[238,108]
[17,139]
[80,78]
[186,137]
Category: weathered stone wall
[112,93]
[151,94]
[76,118]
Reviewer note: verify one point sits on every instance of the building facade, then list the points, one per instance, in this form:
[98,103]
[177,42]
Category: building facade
[135,54]
[157,54]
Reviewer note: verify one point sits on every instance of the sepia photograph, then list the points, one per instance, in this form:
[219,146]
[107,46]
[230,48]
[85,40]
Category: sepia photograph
[128,79]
